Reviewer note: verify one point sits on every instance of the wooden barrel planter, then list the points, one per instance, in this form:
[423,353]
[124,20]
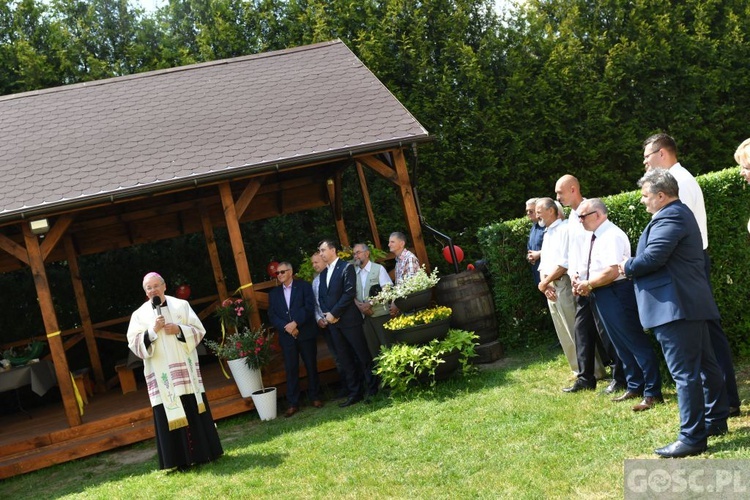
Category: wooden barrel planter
[469,296]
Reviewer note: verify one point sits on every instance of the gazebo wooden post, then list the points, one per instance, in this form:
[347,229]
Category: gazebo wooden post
[213,254]
[238,248]
[368,206]
[334,196]
[83,311]
[410,207]
[64,380]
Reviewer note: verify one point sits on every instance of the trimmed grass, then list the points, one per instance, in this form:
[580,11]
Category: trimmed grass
[507,432]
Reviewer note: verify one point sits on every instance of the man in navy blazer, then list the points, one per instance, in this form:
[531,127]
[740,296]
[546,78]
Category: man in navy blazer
[291,309]
[675,301]
[336,293]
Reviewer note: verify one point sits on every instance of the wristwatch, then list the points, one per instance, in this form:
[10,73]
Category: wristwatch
[588,285]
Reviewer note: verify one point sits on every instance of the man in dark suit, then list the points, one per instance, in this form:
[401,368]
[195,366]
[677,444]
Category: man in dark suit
[675,301]
[291,309]
[336,293]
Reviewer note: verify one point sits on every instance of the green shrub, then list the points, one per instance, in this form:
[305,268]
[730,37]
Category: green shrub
[523,318]
[406,367]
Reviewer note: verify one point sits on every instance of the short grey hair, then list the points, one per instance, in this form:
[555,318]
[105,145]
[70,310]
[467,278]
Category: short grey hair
[548,203]
[399,235]
[531,201]
[597,205]
[660,181]
[364,246]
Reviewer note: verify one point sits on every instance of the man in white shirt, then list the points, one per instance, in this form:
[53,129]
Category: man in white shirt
[590,336]
[613,296]
[660,151]
[554,282]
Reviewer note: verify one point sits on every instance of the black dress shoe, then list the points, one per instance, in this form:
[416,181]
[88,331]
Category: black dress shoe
[627,395]
[580,385]
[734,411]
[716,430]
[350,401]
[678,449]
[614,387]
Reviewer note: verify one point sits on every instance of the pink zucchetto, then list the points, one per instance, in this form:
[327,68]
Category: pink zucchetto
[152,275]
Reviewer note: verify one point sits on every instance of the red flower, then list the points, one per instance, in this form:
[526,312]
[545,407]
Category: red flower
[257,350]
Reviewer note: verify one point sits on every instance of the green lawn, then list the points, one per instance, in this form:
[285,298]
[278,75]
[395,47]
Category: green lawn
[507,432]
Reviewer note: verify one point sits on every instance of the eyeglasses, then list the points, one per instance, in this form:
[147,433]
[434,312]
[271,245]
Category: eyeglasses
[282,271]
[583,216]
[645,157]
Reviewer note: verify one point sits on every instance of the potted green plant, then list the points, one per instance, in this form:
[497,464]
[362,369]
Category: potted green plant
[405,367]
[421,326]
[415,292]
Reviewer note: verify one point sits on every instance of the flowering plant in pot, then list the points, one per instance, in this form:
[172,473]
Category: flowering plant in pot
[255,346]
[234,314]
[418,282]
[420,327]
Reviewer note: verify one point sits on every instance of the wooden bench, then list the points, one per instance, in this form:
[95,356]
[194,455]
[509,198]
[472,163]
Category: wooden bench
[83,383]
[126,376]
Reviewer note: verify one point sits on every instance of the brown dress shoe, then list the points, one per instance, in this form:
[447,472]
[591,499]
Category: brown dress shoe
[627,395]
[648,403]
[317,403]
[291,411]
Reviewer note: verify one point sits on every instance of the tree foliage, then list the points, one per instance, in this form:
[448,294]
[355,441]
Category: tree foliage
[512,99]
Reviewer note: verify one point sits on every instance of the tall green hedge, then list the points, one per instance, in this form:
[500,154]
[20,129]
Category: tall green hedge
[523,318]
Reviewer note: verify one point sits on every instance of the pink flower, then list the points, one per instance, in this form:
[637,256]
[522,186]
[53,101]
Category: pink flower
[257,350]
[226,303]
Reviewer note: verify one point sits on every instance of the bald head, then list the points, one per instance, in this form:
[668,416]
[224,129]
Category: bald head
[568,191]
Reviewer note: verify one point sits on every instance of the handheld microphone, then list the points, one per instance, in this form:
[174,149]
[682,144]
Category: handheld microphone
[156,302]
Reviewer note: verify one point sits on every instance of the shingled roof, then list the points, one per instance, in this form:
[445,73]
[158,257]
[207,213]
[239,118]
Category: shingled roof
[111,139]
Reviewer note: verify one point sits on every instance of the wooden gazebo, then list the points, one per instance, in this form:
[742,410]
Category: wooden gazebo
[147,157]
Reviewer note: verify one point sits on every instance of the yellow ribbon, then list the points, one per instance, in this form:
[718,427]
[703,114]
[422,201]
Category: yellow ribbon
[242,288]
[53,334]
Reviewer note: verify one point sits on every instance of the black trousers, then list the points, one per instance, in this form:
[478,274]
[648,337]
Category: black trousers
[355,358]
[590,336]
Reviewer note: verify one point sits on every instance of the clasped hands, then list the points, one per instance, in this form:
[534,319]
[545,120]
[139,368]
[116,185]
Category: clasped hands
[169,328]
[291,329]
[548,290]
[364,307]
[330,319]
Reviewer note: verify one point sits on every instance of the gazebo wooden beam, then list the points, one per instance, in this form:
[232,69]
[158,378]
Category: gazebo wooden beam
[51,325]
[247,196]
[83,312]
[238,248]
[333,185]
[410,207]
[368,206]
[56,232]
[380,168]
[213,255]
[14,249]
